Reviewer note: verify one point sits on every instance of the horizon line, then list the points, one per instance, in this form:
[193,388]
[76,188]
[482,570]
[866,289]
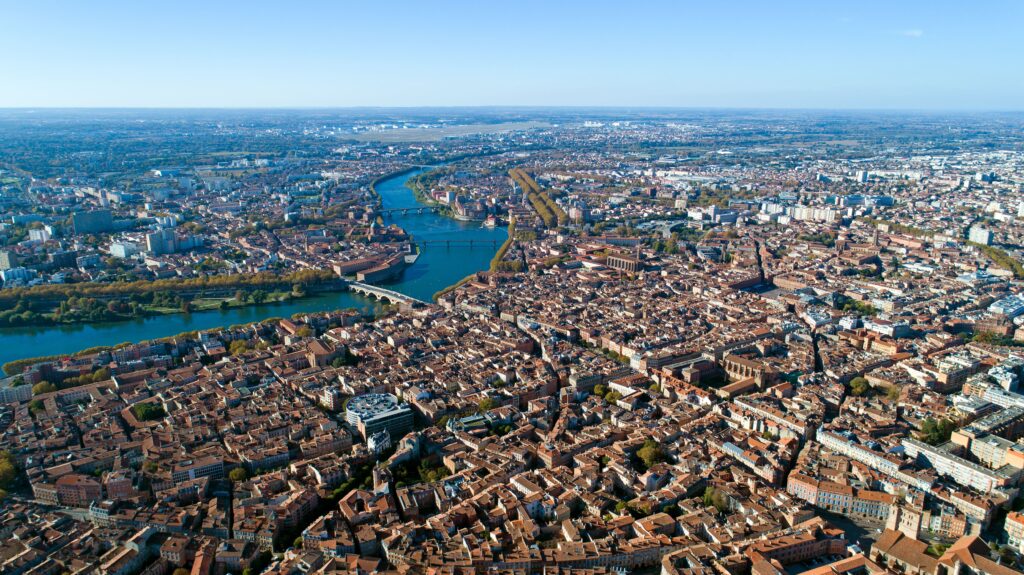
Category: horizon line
[521,107]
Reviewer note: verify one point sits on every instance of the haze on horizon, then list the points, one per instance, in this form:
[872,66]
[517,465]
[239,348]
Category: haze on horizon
[865,55]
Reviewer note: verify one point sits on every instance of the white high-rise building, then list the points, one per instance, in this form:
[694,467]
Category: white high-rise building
[161,242]
[980,235]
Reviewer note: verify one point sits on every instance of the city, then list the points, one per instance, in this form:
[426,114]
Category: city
[490,339]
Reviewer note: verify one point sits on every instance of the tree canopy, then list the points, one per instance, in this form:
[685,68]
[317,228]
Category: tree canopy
[148,411]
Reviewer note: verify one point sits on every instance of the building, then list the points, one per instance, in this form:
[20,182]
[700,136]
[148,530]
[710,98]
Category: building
[379,442]
[8,260]
[376,412]
[16,274]
[15,394]
[1014,528]
[841,444]
[123,249]
[75,490]
[211,467]
[332,398]
[900,553]
[962,471]
[624,262]
[980,235]
[1010,306]
[92,222]
[161,242]
[167,241]
[841,499]
[893,329]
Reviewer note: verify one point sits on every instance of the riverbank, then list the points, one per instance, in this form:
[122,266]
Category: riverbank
[436,268]
[495,265]
[94,303]
[15,367]
[55,293]
[379,179]
[439,294]
[421,195]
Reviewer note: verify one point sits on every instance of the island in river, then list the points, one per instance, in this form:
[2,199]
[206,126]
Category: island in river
[437,267]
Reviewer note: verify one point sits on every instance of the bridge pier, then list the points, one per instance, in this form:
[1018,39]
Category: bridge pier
[384,294]
[406,211]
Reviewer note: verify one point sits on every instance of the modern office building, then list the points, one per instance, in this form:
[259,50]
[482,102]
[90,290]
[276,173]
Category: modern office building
[1011,306]
[376,412]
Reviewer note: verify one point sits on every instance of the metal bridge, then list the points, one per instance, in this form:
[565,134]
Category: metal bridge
[383,294]
[406,211]
[450,243]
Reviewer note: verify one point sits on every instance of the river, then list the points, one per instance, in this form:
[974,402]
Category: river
[436,268]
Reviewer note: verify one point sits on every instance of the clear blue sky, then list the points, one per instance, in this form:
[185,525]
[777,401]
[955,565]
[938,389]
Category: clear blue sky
[767,53]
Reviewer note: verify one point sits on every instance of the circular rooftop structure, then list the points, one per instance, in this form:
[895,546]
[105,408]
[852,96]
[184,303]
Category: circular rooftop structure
[369,406]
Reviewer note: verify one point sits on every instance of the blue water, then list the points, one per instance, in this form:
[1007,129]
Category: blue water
[436,268]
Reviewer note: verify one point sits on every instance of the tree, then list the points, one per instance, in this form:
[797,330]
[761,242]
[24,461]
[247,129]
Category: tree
[893,392]
[181,571]
[304,331]
[238,475]
[935,432]
[714,498]
[600,389]
[297,543]
[148,411]
[347,358]
[487,404]
[186,306]
[36,405]
[43,387]
[651,453]
[238,347]
[8,469]
[859,386]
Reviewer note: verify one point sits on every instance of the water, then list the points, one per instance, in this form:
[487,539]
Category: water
[436,268]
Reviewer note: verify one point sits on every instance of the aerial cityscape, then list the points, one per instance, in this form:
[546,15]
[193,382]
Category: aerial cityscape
[562,336]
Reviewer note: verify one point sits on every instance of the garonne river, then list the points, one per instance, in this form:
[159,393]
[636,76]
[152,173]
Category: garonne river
[436,268]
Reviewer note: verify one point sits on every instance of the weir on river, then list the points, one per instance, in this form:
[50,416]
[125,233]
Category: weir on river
[434,270]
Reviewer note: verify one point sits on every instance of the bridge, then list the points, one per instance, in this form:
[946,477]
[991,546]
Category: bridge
[384,294]
[450,243]
[406,211]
